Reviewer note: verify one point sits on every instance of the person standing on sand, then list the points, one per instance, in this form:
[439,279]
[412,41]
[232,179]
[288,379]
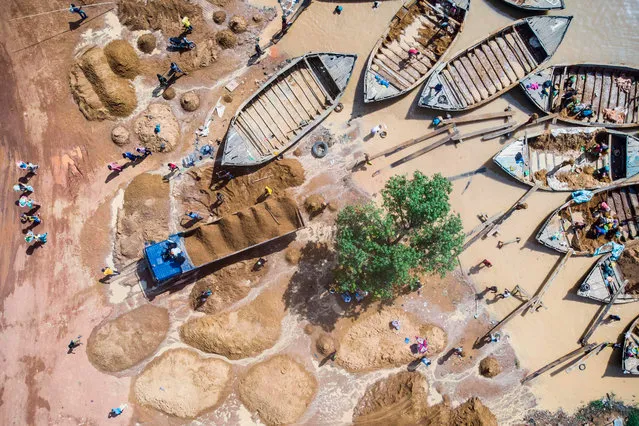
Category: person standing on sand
[267,192]
[260,263]
[108,272]
[74,344]
[194,216]
[114,167]
[487,263]
[258,49]
[130,156]
[174,69]
[75,9]
[219,197]
[504,295]
[459,351]
[143,151]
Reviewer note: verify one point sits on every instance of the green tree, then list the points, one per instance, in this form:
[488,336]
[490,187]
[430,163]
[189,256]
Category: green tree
[382,249]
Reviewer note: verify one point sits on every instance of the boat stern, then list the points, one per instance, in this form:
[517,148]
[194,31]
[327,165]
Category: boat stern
[512,160]
[443,99]
[549,31]
[378,89]
[533,87]
[238,151]
[553,234]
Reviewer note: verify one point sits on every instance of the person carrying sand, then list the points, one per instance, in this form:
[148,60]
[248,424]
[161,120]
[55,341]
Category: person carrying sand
[75,9]
[186,25]
[174,69]
[114,167]
[109,272]
[194,216]
[74,344]
[267,191]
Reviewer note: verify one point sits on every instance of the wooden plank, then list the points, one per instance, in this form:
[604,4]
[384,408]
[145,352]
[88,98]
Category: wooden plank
[596,95]
[400,85]
[482,131]
[613,100]
[482,73]
[253,112]
[501,73]
[457,71]
[546,285]
[404,83]
[589,87]
[294,103]
[632,103]
[474,76]
[281,108]
[524,48]
[401,45]
[411,142]
[277,121]
[478,117]
[523,59]
[313,112]
[437,12]
[605,90]
[602,314]
[489,69]
[461,87]
[562,85]
[248,135]
[318,91]
[416,63]
[456,93]
[381,58]
[514,62]
[258,141]
[415,154]
[512,76]
[558,361]
[404,64]
[303,90]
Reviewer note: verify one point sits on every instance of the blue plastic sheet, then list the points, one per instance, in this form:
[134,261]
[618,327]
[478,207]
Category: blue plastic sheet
[582,196]
[615,248]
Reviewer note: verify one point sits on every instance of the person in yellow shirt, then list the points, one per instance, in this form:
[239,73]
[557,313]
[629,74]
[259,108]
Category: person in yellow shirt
[186,24]
[268,191]
[108,272]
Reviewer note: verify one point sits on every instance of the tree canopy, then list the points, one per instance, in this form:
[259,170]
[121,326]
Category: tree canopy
[382,249]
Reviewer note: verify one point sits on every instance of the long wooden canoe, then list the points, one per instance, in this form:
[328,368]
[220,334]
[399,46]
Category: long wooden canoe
[630,358]
[603,281]
[286,108]
[494,65]
[560,234]
[537,5]
[417,24]
[555,169]
[608,89]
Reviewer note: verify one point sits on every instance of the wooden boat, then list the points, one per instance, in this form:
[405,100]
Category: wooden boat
[603,280]
[537,5]
[560,234]
[605,87]
[286,108]
[494,65]
[630,358]
[553,170]
[417,24]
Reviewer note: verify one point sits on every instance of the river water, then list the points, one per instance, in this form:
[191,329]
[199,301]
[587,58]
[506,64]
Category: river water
[602,31]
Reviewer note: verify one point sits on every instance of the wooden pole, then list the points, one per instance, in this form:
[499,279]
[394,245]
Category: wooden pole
[416,154]
[546,285]
[482,131]
[558,361]
[410,142]
[478,117]
[602,315]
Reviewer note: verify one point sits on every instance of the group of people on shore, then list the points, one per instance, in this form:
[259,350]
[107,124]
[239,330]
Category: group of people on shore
[25,201]
[141,153]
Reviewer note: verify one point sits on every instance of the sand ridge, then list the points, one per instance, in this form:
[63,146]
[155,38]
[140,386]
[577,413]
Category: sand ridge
[181,383]
[130,338]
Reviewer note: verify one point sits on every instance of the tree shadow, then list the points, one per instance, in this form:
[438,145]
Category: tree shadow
[308,292]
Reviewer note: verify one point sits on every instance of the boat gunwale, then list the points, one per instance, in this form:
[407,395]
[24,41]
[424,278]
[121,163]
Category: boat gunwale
[306,129]
[406,5]
[586,65]
[535,8]
[478,43]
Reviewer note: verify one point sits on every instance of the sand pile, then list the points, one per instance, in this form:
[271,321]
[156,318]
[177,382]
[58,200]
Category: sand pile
[257,224]
[238,24]
[190,101]
[470,413]
[143,217]
[181,383]
[489,367]
[122,59]
[567,142]
[371,343]
[168,136]
[122,343]
[326,344]
[229,285]
[314,204]
[98,91]
[279,390]
[204,55]
[147,43]
[219,17]
[629,264]
[226,39]
[242,191]
[168,93]
[120,135]
[581,180]
[161,15]
[397,399]
[293,255]
[243,333]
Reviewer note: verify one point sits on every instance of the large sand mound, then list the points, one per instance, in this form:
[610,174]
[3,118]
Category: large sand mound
[273,218]
[279,390]
[202,185]
[122,58]
[181,383]
[122,343]
[239,334]
[144,216]
[400,399]
[168,136]
[470,413]
[162,15]
[371,343]
[98,91]
[228,285]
